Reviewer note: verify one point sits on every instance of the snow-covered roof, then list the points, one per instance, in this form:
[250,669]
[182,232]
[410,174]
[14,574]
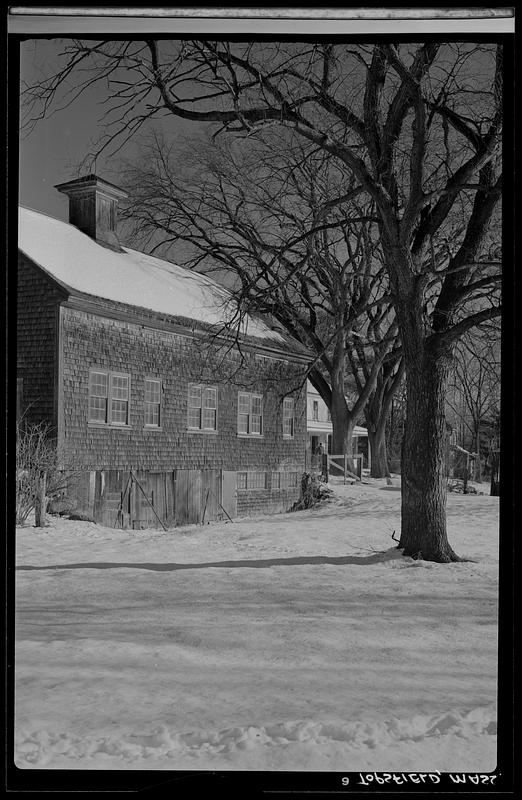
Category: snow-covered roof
[80,264]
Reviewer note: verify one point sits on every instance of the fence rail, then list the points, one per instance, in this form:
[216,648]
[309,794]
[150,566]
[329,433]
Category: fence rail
[347,467]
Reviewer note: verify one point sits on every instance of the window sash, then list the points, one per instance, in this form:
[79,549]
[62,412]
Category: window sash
[119,396]
[255,423]
[285,480]
[194,417]
[152,402]
[152,414]
[97,409]
[251,480]
[243,404]
[152,391]
[288,416]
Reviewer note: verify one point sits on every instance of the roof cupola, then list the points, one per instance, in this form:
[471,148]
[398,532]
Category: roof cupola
[93,208]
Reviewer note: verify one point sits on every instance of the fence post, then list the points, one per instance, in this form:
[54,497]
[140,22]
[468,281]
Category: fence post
[39,506]
[325,467]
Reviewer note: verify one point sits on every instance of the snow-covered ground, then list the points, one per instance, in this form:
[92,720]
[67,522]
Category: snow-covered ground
[300,641]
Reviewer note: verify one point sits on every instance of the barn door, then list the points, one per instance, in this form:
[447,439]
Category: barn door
[229,492]
[188,503]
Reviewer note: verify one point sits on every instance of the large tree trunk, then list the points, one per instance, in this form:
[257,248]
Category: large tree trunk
[423,529]
[342,428]
[377,441]
[343,421]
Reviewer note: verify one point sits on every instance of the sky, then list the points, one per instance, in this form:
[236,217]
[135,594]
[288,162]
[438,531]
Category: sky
[52,152]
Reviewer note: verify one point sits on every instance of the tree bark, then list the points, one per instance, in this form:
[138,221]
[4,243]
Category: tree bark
[377,441]
[423,530]
[343,419]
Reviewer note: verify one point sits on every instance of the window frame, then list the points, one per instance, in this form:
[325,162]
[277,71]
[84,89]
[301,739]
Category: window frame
[284,481]
[250,415]
[245,479]
[204,390]
[148,403]
[109,397]
[289,401]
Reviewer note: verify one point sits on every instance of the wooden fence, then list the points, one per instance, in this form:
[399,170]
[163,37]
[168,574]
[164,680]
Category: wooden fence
[346,467]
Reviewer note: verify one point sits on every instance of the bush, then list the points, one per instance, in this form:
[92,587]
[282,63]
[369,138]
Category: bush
[37,470]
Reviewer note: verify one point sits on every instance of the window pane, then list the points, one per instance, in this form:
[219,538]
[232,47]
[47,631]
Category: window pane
[152,413]
[152,391]
[241,480]
[209,418]
[99,383]
[98,409]
[257,480]
[194,396]
[276,480]
[210,398]
[119,411]
[256,404]
[255,423]
[242,423]
[120,387]
[194,417]
[243,401]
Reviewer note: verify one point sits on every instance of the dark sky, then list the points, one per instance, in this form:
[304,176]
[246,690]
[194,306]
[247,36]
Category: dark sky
[52,152]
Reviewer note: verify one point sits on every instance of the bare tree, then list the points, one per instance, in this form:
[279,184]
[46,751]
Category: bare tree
[269,218]
[474,391]
[417,126]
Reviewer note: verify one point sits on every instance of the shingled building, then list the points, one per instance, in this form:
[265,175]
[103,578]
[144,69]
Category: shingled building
[172,407]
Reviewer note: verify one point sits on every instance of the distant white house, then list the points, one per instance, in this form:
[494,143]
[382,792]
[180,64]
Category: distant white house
[319,428]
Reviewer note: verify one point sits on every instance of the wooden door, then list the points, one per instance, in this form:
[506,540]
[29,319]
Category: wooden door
[229,493]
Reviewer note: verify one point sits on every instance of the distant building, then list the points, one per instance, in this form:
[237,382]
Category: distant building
[168,413]
[319,428]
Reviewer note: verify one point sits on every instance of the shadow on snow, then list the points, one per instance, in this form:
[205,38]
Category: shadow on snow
[297,561]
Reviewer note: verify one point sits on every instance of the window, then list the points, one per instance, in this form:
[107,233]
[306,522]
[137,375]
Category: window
[251,480]
[109,395]
[249,414]
[315,409]
[288,417]
[285,480]
[202,407]
[152,403]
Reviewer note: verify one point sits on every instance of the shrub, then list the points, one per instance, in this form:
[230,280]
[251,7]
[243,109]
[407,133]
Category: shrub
[37,470]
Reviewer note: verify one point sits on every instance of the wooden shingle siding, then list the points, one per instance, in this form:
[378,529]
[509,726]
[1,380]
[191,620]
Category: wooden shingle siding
[94,342]
[181,476]
[37,343]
